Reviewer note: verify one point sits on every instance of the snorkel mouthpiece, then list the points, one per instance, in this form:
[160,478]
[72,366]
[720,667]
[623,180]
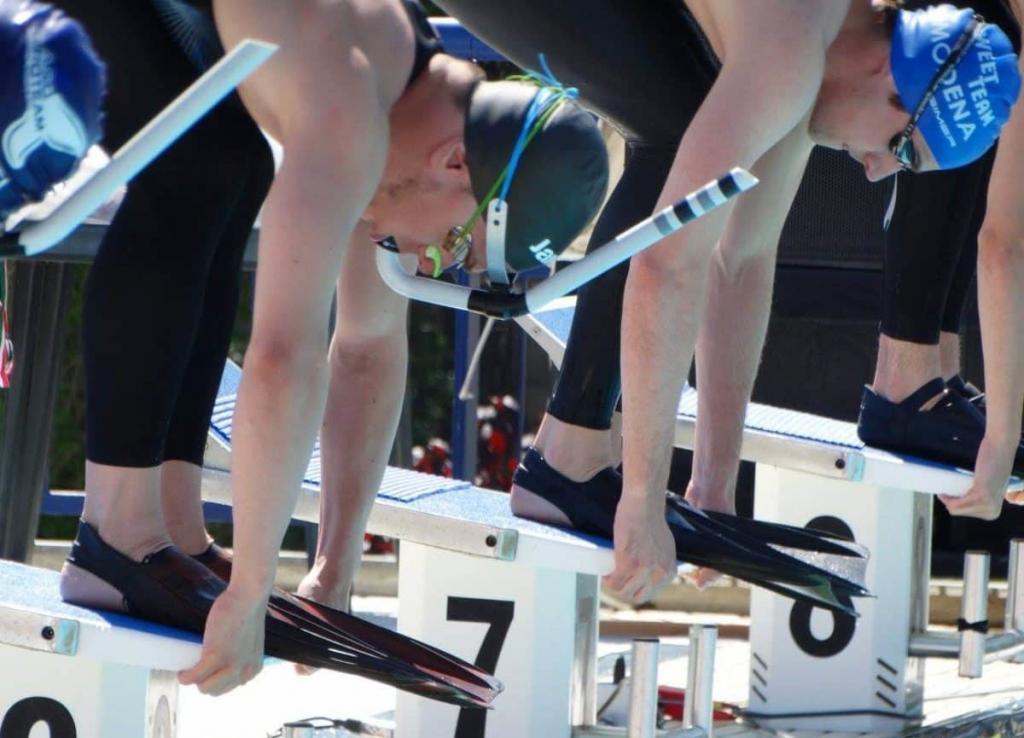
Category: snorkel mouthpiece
[433,253]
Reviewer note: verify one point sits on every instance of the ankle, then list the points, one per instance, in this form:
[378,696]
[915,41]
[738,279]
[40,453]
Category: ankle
[190,539]
[574,451]
[949,353]
[134,540]
[904,367]
[716,498]
[327,587]
[579,467]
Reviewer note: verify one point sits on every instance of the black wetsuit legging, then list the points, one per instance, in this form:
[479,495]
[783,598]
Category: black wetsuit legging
[646,68]
[162,293]
[931,246]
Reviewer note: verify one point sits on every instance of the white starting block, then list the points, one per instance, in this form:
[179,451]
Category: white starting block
[515,597]
[518,598]
[82,673]
[809,668]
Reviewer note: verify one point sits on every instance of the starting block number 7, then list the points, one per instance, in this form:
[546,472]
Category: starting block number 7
[498,614]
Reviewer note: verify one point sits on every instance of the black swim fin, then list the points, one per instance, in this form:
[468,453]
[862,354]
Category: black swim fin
[845,572]
[332,623]
[709,540]
[174,589]
[760,565]
[792,537]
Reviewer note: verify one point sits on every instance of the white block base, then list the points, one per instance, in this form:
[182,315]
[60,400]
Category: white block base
[75,697]
[493,613]
[805,660]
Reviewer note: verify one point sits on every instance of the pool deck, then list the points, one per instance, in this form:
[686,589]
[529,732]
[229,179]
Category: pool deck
[279,695]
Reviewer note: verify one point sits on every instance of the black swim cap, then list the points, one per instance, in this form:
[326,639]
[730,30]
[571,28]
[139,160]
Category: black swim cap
[558,180]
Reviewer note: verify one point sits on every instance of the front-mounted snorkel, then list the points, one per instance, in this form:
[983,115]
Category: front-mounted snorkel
[505,304]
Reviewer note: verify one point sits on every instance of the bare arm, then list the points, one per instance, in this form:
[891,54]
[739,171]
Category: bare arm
[735,320]
[1001,305]
[368,364]
[767,86]
[281,399]
[312,209]
[752,107]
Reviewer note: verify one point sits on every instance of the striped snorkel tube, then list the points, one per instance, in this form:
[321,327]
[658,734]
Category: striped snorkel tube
[505,304]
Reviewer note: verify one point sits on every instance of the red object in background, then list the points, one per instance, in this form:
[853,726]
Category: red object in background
[434,458]
[497,448]
[6,350]
[378,544]
[672,702]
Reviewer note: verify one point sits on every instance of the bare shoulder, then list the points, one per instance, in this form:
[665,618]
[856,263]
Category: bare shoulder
[345,61]
[743,27]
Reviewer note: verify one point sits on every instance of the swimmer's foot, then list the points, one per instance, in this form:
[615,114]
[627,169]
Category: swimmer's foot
[948,431]
[968,391]
[712,542]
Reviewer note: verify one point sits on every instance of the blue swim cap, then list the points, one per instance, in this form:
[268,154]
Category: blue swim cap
[973,101]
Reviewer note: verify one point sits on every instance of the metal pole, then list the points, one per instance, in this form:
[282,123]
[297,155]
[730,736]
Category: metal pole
[39,301]
[643,697]
[913,673]
[973,611]
[699,709]
[464,420]
[1014,620]
[584,665]
[943,645]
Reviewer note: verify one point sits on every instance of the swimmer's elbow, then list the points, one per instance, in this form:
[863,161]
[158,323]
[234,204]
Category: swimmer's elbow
[670,263]
[1001,247]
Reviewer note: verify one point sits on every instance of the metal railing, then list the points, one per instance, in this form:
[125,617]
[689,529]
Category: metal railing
[972,644]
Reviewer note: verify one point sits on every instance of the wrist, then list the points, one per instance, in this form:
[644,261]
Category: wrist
[638,499]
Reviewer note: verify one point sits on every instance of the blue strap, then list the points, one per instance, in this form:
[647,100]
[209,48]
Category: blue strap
[551,92]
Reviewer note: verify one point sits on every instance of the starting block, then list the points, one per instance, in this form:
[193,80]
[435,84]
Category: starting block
[80,672]
[517,598]
[811,669]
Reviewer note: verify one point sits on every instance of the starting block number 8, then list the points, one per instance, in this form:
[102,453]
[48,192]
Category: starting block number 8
[843,626]
[25,714]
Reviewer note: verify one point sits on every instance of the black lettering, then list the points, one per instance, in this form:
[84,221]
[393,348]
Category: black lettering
[29,712]
[843,626]
[498,614]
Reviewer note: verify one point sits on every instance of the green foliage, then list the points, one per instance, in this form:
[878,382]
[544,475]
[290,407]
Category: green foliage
[67,442]
[431,372]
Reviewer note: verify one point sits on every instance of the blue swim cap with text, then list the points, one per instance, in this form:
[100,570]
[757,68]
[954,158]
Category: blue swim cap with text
[973,100]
